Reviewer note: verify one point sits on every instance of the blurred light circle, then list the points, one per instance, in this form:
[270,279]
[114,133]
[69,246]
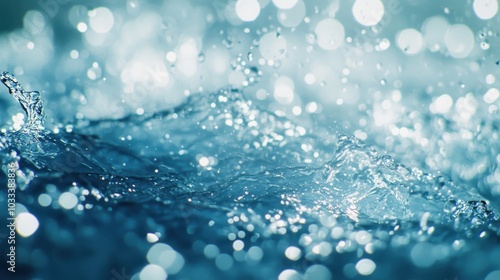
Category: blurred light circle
[292,17]
[190,48]
[459,40]
[171,261]
[171,57]
[272,46]
[151,237]
[368,12]
[224,262]
[330,34]
[247,10]
[442,104]
[285,4]
[421,255]
[211,251]
[255,253]
[68,200]
[284,90]
[333,8]
[289,274]
[154,253]
[317,272]
[293,253]
[494,275]
[204,161]
[309,78]
[410,41]
[433,31]
[152,272]
[490,79]
[485,9]
[238,245]
[491,95]
[74,54]
[365,267]
[82,27]
[26,224]
[101,20]
[44,200]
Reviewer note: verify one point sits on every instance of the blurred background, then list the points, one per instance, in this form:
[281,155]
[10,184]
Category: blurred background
[402,75]
[418,79]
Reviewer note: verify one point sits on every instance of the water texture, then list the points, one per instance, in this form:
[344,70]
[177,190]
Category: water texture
[248,170]
[250,139]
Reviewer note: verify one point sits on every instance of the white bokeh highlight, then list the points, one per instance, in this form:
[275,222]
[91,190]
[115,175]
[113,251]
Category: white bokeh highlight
[101,20]
[294,16]
[284,90]
[330,34]
[26,224]
[247,10]
[410,41]
[368,12]
[285,4]
[485,9]
[459,40]
[272,46]
[433,30]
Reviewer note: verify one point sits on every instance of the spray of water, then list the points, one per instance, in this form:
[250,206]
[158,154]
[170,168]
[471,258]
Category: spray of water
[31,101]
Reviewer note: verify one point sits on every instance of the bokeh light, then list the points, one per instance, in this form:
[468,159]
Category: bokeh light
[330,33]
[285,4]
[273,46]
[485,9]
[410,41]
[26,224]
[368,12]
[459,40]
[101,20]
[252,139]
[247,10]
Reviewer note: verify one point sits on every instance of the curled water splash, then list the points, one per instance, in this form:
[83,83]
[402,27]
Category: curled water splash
[31,101]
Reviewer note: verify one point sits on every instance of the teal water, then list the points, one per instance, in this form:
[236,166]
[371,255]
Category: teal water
[250,139]
[231,187]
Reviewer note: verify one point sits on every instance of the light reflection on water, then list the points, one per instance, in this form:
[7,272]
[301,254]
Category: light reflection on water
[206,139]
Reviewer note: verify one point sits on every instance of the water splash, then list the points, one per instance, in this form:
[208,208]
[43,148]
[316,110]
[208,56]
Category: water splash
[250,155]
[220,157]
[31,101]
[371,185]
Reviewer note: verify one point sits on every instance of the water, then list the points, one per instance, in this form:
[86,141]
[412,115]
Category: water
[235,191]
[30,101]
[250,139]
